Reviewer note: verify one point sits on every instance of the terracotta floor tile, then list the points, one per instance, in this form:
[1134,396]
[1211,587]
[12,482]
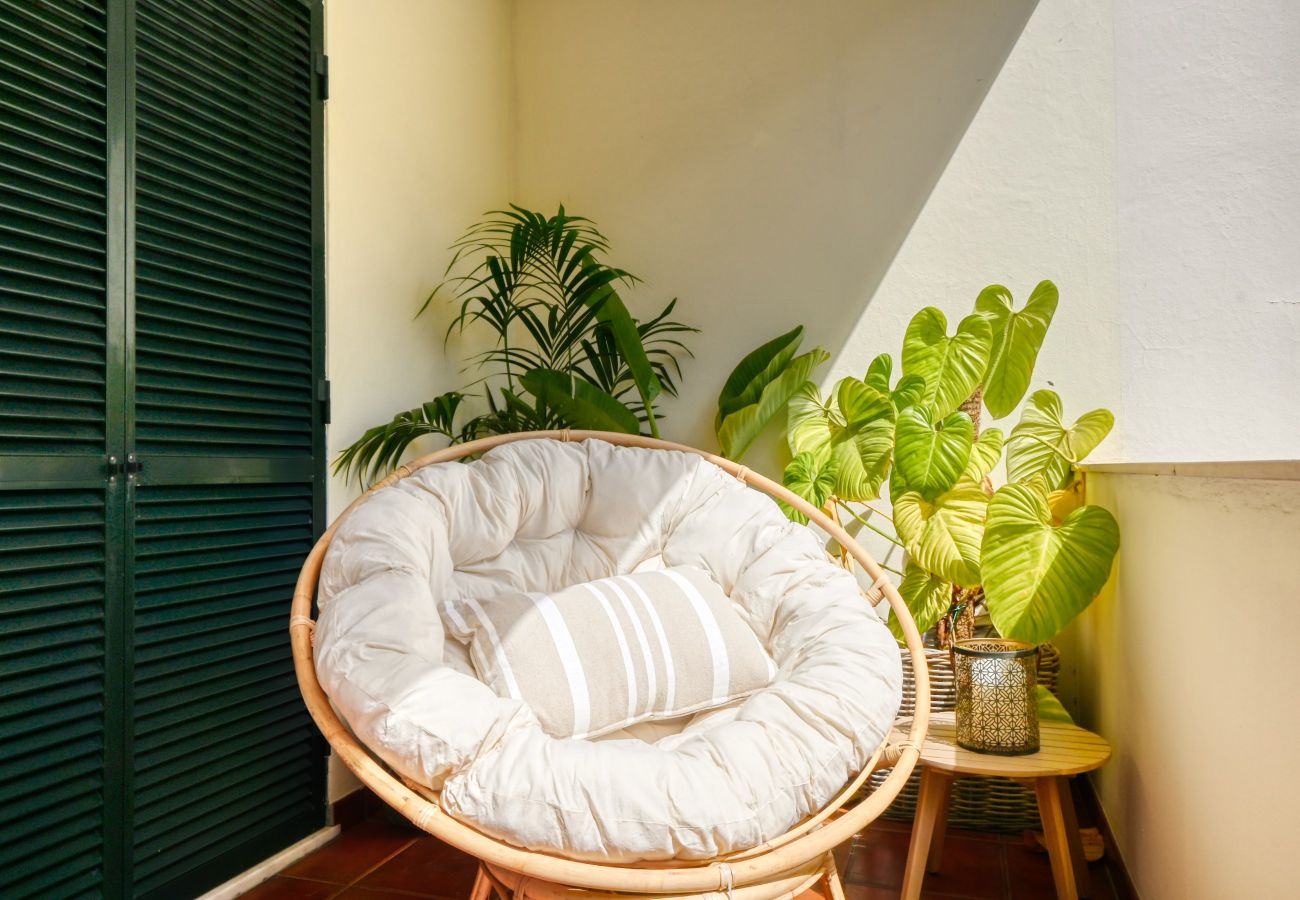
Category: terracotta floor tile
[965,835]
[878,859]
[388,860]
[971,868]
[890,825]
[867,892]
[429,868]
[281,888]
[361,893]
[1029,872]
[842,853]
[353,853]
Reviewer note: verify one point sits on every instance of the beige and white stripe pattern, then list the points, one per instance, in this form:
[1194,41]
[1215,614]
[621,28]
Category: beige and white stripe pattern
[600,656]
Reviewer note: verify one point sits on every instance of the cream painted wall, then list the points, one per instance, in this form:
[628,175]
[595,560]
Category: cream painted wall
[417,146]
[840,169]
[1185,665]
[843,162]
[764,161]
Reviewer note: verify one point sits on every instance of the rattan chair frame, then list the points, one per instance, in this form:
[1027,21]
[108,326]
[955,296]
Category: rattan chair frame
[769,863]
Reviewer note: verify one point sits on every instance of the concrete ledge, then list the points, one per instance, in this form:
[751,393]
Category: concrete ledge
[1257,469]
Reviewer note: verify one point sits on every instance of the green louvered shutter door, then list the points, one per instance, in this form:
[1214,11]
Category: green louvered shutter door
[227,766]
[160,306]
[60,587]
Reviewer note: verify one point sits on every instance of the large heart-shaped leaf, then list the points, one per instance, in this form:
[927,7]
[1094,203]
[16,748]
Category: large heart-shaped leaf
[931,457]
[1038,577]
[984,455]
[951,366]
[855,427]
[909,390]
[812,477]
[580,403]
[1017,338]
[944,536]
[756,371]
[927,597]
[739,429]
[1042,445]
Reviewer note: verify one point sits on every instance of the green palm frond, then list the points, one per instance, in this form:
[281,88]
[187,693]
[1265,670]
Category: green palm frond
[538,286]
[379,448]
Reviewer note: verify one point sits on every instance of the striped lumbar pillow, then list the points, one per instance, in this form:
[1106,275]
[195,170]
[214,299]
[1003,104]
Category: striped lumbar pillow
[600,656]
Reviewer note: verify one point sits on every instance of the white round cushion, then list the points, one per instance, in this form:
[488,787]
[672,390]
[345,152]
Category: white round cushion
[541,515]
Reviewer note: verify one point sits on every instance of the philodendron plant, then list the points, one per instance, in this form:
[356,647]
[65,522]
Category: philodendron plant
[1031,553]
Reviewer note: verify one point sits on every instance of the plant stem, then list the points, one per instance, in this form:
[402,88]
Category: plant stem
[880,512]
[884,534]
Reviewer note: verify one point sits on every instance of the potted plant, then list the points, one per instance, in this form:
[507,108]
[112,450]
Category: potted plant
[566,352]
[1030,555]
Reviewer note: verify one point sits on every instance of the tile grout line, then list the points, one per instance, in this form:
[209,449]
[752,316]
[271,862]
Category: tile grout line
[387,859]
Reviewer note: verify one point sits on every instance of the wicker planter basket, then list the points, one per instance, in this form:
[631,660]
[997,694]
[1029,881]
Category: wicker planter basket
[978,803]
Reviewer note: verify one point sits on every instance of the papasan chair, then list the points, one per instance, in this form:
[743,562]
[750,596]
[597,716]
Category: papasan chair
[747,800]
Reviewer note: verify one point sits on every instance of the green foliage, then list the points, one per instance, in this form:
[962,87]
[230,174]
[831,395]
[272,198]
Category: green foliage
[854,427]
[1038,552]
[928,597]
[578,403]
[566,352]
[1042,445]
[812,478]
[1017,338]
[984,455]
[931,456]
[1038,576]
[906,393]
[379,448]
[951,366]
[944,535]
[744,386]
[738,429]
[1050,708]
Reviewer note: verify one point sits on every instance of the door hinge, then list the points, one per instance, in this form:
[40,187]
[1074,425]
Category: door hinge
[323,75]
[130,468]
[323,398]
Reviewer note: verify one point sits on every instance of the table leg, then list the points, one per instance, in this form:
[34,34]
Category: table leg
[930,807]
[1061,834]
[935,856]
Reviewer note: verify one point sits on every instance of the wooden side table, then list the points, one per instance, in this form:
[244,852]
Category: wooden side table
[1064,750]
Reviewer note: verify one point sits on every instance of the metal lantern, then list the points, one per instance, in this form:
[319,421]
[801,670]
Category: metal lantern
[997,698]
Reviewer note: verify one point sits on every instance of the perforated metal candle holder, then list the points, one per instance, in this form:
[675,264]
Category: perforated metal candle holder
[997,698]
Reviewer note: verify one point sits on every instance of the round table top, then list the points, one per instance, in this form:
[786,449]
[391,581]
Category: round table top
[1064,749]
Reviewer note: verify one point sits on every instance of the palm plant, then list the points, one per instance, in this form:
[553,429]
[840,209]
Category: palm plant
[566,352]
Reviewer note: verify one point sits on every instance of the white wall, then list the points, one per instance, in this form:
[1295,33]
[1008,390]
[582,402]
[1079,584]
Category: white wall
[1028,194]
[1177,663]
[764,161]
[417,147]
[1208,123]
[1185,664]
